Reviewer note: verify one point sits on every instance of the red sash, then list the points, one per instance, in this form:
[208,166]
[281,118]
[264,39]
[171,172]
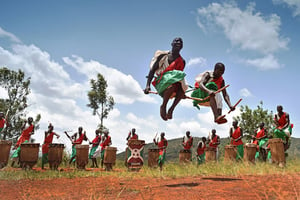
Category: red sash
[177,64]
[214,140]
[47,141]
[161,144]
[282,121]
[260,133]
[236,134]
[200,151]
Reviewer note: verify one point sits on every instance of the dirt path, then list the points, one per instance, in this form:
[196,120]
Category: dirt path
[248,187]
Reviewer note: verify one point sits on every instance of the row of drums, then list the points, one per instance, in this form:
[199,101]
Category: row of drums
[29,155]
[30,152]
[276,148]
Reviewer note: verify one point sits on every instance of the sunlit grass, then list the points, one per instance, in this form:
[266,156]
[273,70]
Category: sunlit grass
[170,170]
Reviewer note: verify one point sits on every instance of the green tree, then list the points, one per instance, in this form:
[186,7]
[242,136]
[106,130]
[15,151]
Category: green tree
[99,99]
[17,87]
[250,119]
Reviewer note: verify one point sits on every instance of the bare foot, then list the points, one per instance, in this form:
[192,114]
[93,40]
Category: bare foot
[221,119]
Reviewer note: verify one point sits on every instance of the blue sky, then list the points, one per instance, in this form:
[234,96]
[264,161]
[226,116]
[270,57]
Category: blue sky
[61,45]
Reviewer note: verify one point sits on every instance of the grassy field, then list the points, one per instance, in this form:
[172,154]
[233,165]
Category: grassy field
[171,170]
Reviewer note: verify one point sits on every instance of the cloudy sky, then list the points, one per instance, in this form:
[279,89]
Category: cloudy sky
[61,45]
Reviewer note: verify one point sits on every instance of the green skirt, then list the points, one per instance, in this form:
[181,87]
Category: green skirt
[102,154]
[240,152]
[73,155]
[93,149]
[16,154]
[45,158]
[262,143]
[162,82]
[201,158]
[198,93]
[162,158]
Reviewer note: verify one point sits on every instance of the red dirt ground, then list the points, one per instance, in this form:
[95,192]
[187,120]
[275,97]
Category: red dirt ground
[247,187]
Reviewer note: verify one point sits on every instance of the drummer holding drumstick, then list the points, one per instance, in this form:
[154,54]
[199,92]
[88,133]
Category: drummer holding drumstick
[162,145]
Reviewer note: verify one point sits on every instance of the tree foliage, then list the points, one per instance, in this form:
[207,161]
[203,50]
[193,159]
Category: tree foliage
[100,101]
[249,119]
[17,87]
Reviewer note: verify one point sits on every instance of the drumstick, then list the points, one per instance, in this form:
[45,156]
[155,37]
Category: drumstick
[198,99]
[68,136]
[235,105]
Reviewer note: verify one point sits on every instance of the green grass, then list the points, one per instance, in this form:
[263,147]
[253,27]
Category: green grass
[170,170]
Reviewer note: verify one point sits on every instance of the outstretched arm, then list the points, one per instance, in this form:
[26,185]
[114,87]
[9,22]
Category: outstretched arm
[226,97]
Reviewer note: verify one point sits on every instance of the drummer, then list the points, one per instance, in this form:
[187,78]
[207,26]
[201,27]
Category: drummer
[132,135]
[283,128]
[200,150]
[96,141]
[82,136]
[214,142]
[162,144]
[48,140]
[236,135]
[261,139]
[27,131]
[207,83]
[187,141]
[106,141]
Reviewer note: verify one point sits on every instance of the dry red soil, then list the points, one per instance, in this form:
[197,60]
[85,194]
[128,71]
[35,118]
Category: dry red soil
[110,187]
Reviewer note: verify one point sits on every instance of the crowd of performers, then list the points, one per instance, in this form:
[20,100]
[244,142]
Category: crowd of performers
[167,76]
[282,129]
[99,143]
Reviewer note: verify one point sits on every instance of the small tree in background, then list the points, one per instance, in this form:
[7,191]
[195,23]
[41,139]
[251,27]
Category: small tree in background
[100,101]
[14,106]
[250,119]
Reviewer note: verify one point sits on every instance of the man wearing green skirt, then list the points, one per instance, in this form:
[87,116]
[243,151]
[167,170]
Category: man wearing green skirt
[207,83]
[47,141]
[261,139]
[236,135]
[167,66]
[283,128]
[201,151]
[92,155]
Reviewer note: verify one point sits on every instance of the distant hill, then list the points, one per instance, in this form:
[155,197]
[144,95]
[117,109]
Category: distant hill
[174,146]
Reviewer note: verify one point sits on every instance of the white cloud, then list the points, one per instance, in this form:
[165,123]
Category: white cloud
[265,63]
[124,88]
[246,29]
[245,92]
[197,61]
[11,36]
[292,4]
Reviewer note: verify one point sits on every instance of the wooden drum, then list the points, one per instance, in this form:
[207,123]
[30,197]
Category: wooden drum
[210,154]
[277,151]
[29,154]
[230,153]
[153,155]
[135,154]
[55,155]
[82,155]
[249,152]
[4,152]
[185,156]
[110,155]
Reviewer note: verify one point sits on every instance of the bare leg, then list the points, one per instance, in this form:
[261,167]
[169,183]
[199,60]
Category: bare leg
[213,105]
[166,96]
[179,95]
